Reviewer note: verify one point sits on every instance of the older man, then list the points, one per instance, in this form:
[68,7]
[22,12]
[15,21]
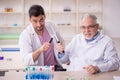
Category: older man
[90,50]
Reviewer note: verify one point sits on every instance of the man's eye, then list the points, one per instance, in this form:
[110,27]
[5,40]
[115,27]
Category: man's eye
[35,21]
[90,26]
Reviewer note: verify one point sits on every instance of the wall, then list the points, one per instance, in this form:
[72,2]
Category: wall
[111,11]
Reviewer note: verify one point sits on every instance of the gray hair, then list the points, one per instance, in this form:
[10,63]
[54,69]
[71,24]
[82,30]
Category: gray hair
[90,16]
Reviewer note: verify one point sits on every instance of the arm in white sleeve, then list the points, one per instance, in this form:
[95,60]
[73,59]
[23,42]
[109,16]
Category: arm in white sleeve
[26,49]
[65,58]
[111,60]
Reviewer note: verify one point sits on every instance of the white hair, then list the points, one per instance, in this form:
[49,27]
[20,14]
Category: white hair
[90,16]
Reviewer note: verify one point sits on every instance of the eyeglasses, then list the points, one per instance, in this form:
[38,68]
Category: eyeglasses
[88,27]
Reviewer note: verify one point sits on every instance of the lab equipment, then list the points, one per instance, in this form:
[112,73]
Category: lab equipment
[67,9]
[15,24]
[2,74]
[70,78]
[10,49]
[53,34]
[39,72]
[1,56]
[57,41]
[51,40]
[59,68]
[8,9]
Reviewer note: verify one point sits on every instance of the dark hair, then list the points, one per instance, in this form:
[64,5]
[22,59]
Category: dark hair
[36,10]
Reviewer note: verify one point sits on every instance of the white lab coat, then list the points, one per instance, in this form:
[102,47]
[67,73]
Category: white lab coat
[100,52]
[29,42]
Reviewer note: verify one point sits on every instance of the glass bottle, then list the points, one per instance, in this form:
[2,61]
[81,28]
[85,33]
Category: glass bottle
[1,55]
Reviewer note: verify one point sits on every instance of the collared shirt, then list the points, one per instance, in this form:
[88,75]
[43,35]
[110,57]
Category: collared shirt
[93,38]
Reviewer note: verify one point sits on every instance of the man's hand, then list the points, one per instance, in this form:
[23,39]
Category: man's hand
[60,47]
[45,46]
[91,69]
[37,53]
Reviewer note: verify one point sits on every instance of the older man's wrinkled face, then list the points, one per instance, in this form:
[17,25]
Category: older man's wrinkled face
[89,27]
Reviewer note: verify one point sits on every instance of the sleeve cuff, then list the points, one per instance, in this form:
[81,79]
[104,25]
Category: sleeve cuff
[60,55]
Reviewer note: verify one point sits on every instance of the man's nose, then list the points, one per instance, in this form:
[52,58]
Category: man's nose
[38,23]
[87,29]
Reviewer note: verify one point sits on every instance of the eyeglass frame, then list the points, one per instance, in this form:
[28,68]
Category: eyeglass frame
[88,27]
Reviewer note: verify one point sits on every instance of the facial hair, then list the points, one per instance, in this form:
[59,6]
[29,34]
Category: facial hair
[40,28]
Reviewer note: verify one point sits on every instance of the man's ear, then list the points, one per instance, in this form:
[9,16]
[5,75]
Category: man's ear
[97,25]
[45,16]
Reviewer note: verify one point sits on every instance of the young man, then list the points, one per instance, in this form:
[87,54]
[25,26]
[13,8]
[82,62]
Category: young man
[90,50]
[34,40]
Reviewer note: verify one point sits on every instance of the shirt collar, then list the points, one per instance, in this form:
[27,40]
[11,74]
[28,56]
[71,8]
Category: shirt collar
[93,38]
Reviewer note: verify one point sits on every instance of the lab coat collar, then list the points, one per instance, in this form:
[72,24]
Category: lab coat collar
[48,27]
[33,34]
[31,29]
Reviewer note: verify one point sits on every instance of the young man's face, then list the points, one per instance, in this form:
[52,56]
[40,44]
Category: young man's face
[89,28]
[38,22]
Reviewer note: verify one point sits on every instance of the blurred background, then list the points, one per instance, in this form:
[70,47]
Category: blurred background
[66,14]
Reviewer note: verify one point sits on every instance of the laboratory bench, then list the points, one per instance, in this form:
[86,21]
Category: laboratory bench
[65,75]
[11,61]
[13,68]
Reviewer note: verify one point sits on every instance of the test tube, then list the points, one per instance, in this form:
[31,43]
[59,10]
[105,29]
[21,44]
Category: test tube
[50,40]
[27,72]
